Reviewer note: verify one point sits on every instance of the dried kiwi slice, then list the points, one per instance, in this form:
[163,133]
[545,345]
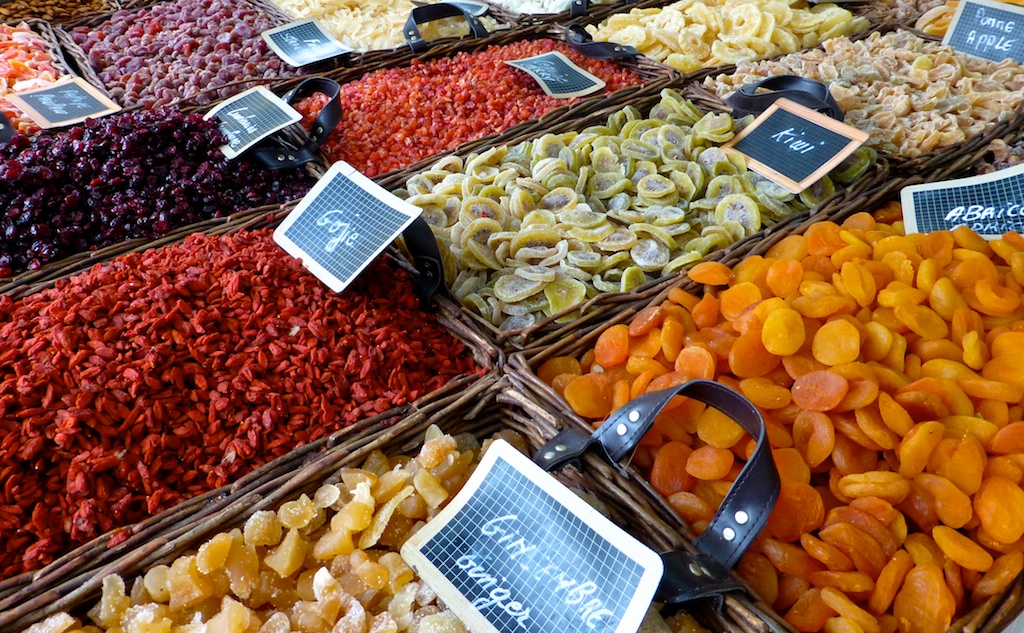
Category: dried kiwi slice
[655,186]
[586,260]
[563,295]
[716,128]
[536,273]
[479,230]
[512,288]
[593,234]
[632,278]
[559,200]
[818,192]
[518,322]
[604,160]
[641,170]
[538,237]
[739,207]
[650,255]
[681,262]
[605,185]
[854,166]
[639,150]
[582,216]
[622,239]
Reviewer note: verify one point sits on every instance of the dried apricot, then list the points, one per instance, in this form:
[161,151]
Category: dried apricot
[717,429]
[784,277]
[889,581]
[847,609]
[916,447]
[924,604]
[961,549]
[952,506]
[999,504]
[759,573]
[668,475]
[799,510]
[814,436]
[810,613]
[748,357]
[612,346]
[711,274]
[696,362]
[646,320]
[999,576]
[590,396]
[819,390]
[709,463]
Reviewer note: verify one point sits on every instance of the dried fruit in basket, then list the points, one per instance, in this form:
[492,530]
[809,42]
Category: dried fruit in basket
[65,195]
[691,35]
[165,374]
[910,95]
[322,574]
[936,21]
[371,25]
[52,10]
[395,117]
[533,7]
[180,50]
[898,509]
[531,230]
[26,63]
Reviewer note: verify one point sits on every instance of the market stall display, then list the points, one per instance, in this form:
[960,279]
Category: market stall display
[27,61]
[911,95]
[376,24]
[182,49]
[162,375]
[690,35]
[885,370]
[54,10]
[531,230]
[63,195]
[396,117]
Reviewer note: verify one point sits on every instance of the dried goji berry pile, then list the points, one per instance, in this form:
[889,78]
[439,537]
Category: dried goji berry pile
[398,116]
[162,375]
[889,373]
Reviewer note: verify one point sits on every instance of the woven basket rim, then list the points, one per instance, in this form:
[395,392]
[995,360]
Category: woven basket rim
[85,15]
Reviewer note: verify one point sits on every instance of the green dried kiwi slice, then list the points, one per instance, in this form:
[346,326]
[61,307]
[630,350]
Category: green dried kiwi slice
[477,304]
[520,202]
[614,274]
[571,158]
[518,322]
[584,138]
[539,218]
[639,150]
[568,271]
[425,200]
[616,120]
[419,185]
[470,186]
[561,250]
[561,178]
[672,135]
[659,112]
[483,253]
[467,259]
[559,199]
[506,178]
[581,180]
[563,295]
[642,169]
[498,237]
[479,230]
[491,191]
[501,251]
[544,237]
[650,255]
[604,160]
[704,204]
[434,216]
[715,162]
[738,161]
[547,146]
[739,207]
[486,173]
[701,245]
[671,152]
[632,278]
[854,166]
[651,138]
[622,239]
[680,230]
[451,164]
[449,189]
[535,302]
[628,215]
[602,285]
[773,207]
[532,185]
[605,185]
[772,189]
[609,142]
[593,234]
[582,216]
[586,260]
[818,192]
[475,207]
[675,102]
[697,175]
[536,273]
[685,186]
[725,185]
[693,146]
[715,127]
[655,186]
[719,237]
[642,202]
[520,160]
[664,215]
[681,262]
[513,288]
[546,166]
[468,282]
[633,130]
[619,202]
[655,233]
[597,204]
[612,261]
[599,130]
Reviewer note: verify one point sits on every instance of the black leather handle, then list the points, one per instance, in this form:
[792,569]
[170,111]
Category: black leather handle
[422,245]
[273,156]
[578,8]
[807,92]
[743,513]
[6,129]
[431,12]
[580,41]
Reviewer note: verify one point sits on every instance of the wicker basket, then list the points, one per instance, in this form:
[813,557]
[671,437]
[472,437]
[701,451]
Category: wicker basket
[18,12]
[490,405]
[595,12]
[595,310]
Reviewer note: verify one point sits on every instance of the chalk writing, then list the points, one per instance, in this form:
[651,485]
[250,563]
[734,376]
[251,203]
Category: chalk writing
[344,231]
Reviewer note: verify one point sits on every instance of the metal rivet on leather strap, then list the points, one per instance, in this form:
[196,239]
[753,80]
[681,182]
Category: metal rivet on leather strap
[280,157]
[742,517]
[621,429]
[560,447]
[696,570]
[291,157]
[549,455]
[319,130]
[634,416]
[728,534]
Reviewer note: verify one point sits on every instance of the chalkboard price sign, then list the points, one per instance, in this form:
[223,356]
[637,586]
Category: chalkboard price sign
[558,76]
[516,551]
[987,29]
[795,146]
[6,129]
[250,117]
[343,224]
[303,43]
[990,205]
[64,103]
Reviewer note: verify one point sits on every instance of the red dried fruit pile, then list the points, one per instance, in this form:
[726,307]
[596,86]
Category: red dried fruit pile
[162,375]
[399,116]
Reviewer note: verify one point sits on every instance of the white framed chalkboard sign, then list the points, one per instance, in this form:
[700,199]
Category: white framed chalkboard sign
[64,103]
[987,29]
[250,117]
[990,205]
[558,76]
[517,552]
[343,224]
[304,42]
[795,146]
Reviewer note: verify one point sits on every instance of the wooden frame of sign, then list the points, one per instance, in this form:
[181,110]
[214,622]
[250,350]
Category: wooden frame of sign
[856,139]
[25,101]
[987,35]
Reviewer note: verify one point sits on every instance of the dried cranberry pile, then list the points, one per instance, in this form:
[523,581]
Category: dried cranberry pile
[176,50]
[399,116]
[136,174]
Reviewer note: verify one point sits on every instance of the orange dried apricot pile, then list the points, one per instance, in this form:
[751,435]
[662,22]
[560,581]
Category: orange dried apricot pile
[887,369]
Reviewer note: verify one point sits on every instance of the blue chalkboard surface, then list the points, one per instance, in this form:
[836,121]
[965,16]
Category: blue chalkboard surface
[342,224]
[558,76]
[304,42]
[794,145]
[990,205]
[987,29]
[516,551]
[64,103]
